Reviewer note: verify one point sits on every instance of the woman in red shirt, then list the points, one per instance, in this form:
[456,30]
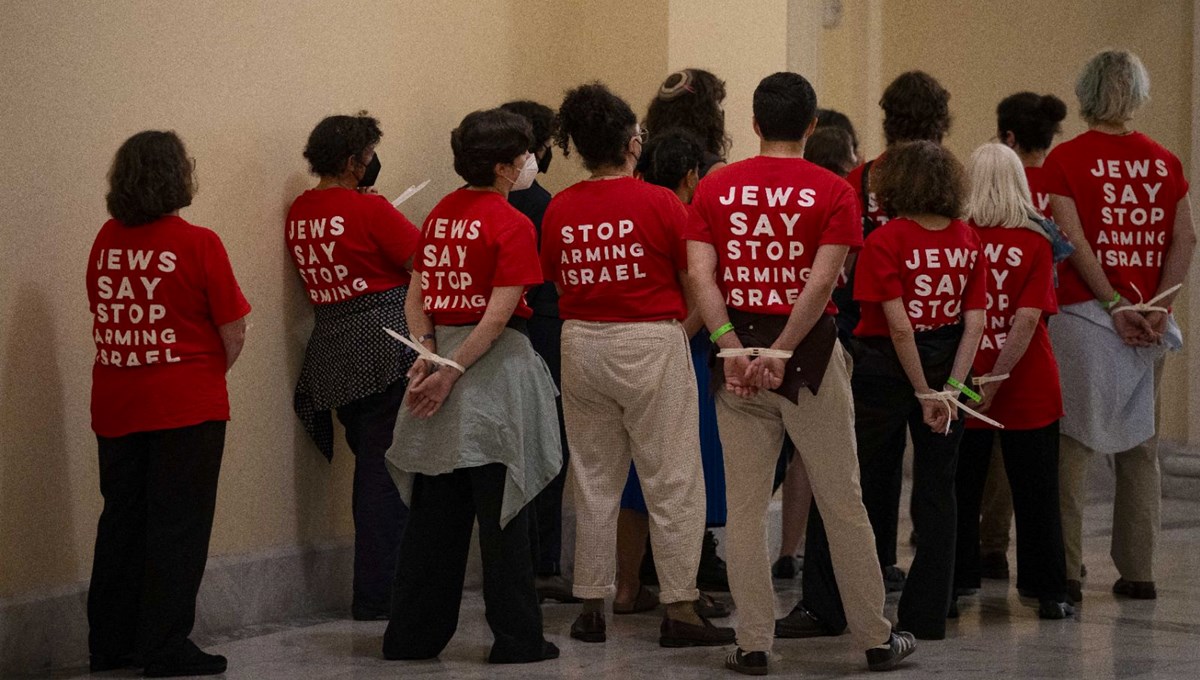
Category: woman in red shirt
[1122,200]
[1018,378]
[614,246]
[168,323]
[478,437]
[352,250]
[922,289]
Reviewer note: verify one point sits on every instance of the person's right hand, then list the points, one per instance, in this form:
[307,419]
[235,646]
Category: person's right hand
[735,377]
[1133,328]
[418,373]
[934,414]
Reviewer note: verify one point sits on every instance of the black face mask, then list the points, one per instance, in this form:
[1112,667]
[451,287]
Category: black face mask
[372,173]
[544,161]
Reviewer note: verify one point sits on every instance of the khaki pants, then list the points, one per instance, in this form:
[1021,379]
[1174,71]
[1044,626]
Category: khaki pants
[822,428]
[629,392]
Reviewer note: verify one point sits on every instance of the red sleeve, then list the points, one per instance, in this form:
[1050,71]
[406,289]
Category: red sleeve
[844,226]
[1038,290]
[391,230]
[551,250]
[697,228]
[225,300]
[877,272]
[517,255]
[975,296]
[1054,177]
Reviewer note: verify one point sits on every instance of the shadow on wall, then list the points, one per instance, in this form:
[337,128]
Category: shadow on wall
[35,523]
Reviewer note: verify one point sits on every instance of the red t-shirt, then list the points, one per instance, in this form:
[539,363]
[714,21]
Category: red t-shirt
[767,217]
[1020,274]
[871,207]
[615,247]
[345,244]
[157,294]
[1036,177]
[1126,189]
[474,241]
[937,274]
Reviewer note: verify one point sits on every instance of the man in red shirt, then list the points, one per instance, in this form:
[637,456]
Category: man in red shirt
[767,242]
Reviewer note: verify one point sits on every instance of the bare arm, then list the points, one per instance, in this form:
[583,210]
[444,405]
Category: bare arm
[827,266]
[1179,255]
[1084,258]
[1025,322]
[905,342]
[233,337]
[694,320]
[973,320]
[702,272]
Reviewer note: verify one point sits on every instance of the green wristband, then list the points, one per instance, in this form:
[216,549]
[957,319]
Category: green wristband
[1111,303]
[720,331]
[964,389]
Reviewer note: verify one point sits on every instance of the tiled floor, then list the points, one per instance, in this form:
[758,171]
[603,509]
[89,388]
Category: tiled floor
[997,637]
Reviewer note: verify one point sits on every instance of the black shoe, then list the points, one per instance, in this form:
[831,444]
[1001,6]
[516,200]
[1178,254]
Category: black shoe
[556,588]
[709,607]
[889,655]
[894,579]
[1054,610]
[994,566]
[801,623]
[192,661]
[673,633]
[1137,590]
[785,568]
[360,612]
[1074,592]
[549,651]
[712,574]
[99,663]
[1082,571]
[589,627]
[748,663]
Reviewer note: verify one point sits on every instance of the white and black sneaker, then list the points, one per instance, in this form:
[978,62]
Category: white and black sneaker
[889,655]
[748,663]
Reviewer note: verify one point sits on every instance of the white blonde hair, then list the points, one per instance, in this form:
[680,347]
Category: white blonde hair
[1111,87]
[999,193]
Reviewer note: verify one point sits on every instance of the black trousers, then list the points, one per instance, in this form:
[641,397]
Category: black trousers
[428,587]
[545,512]
[379,514]
[160,492]
[883,408]
[1031,462]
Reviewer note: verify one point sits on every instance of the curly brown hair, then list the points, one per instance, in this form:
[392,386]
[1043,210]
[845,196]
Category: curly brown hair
[151,176]
[915,106]
[917,178]
[337,139]
[691,99]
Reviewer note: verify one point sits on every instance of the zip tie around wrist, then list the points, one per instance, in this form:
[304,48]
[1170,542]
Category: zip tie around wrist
[983,380]
[1147,305]
[424,353]
[755,352]
[952,396]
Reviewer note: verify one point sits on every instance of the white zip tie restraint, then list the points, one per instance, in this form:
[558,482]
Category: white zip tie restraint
[424,353]
[983,380]
[1148,305]
[755,352]
[952,396]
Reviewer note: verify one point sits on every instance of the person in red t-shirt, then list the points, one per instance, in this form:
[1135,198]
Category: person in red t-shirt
[168,323]
[1027,123]
[915,107]
[613,246]
[1122,200]
[352,249]
[1017,377]
[478,437]
[766,244]
[922,289]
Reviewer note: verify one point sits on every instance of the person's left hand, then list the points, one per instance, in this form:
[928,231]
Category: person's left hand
[765,373]
[425,399]
[1158,324]
[988,392]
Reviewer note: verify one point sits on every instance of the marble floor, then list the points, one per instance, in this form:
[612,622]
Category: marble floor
[996,637]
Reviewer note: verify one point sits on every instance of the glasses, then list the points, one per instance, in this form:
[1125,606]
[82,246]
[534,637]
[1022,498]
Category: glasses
[642,134]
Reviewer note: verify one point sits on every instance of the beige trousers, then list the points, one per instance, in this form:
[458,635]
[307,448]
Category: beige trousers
[629,392]
[822,427]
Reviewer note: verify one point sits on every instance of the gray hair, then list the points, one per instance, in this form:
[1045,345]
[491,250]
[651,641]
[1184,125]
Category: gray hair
[999,193]
[1111,87]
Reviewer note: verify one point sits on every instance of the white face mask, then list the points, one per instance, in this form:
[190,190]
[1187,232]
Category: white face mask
[528,173]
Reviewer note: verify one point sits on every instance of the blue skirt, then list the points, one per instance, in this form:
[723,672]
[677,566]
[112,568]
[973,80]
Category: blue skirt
[711,455]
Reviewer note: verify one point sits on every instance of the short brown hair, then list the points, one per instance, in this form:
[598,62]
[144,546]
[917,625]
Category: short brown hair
[920,178]
[151,176]
[915,106]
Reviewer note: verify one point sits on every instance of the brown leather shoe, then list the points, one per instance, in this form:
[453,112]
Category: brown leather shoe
[1138,590]
[589,627]
[674,633]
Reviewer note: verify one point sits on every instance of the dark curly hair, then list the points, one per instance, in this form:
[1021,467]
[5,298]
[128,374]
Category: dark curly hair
[599,124]
[540,117]
[337,139]
[485,138]
[785,104]
[837,119]
[915,107]
[831,148]
[920,177]
[691,99]
[669,156]
[151,176]
[1033,119]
